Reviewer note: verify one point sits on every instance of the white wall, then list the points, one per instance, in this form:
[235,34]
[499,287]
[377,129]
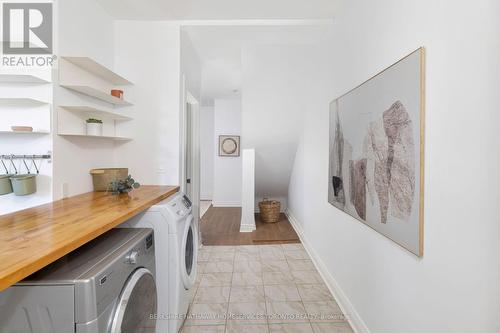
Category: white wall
[274,90]
[78,35]
[207,152]
[84,28]
[149,53]
[227,170]
[384,288]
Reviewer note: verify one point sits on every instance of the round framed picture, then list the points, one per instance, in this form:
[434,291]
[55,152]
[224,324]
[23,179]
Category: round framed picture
[229,145]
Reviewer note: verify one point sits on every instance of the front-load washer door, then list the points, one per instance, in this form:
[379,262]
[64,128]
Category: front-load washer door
[136,307]
[188,258]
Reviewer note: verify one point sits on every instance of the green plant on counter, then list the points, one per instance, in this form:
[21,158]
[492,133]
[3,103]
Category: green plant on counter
[93,121]
[123,185]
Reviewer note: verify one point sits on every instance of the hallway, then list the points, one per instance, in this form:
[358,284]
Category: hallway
[221,226]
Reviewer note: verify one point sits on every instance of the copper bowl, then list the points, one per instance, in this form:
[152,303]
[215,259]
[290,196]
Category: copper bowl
[117,93]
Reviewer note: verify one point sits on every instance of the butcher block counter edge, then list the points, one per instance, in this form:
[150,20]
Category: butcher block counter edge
[33,238]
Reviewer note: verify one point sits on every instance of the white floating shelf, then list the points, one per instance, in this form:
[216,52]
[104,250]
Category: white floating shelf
[22,101]
[104,113]
[115,138]
[20,132]
[96,93]
[92,66]
[21,78]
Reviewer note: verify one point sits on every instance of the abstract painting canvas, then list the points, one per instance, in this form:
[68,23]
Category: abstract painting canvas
[377,149]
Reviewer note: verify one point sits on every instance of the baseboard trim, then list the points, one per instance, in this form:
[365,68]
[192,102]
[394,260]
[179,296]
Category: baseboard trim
[247,228]
[222,204]
[355,320]
[295,223]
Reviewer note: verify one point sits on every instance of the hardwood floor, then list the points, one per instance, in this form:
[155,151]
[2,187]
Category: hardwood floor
[221,226]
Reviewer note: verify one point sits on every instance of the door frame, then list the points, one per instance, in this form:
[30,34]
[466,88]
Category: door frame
[188,98]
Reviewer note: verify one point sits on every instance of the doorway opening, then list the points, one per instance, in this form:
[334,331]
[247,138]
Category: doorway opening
[252,91]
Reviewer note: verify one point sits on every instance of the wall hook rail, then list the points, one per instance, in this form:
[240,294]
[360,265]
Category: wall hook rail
[33,158]
[23,157]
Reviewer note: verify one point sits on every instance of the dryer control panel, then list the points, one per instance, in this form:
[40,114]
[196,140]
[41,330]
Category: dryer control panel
[186,201]
[180,206]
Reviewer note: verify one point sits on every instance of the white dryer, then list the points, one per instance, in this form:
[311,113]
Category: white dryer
[176,243]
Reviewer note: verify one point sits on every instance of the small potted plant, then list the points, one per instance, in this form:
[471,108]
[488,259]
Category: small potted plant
[123,185]
[94,127]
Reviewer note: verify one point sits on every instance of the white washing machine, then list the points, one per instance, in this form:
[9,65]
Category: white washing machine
[176,243]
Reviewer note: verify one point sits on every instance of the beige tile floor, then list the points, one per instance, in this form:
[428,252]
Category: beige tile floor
[264,288]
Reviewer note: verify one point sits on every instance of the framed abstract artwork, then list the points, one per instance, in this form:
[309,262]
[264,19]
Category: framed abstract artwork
[229,145]
[376,156]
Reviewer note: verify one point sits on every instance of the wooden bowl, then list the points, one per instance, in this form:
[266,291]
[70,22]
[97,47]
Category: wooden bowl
[22,128]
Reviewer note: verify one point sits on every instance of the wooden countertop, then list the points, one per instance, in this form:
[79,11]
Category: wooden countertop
[33,238]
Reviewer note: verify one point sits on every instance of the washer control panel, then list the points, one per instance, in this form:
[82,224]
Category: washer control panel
[132,257]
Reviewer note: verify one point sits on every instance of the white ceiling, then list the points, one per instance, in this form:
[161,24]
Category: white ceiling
[219,46]
[218,9]
[220,50]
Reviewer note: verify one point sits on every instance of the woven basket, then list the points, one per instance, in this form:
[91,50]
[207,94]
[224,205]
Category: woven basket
[270,210]
[101,178]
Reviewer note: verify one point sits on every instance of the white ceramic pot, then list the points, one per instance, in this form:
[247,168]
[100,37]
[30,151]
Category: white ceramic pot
[94,129]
